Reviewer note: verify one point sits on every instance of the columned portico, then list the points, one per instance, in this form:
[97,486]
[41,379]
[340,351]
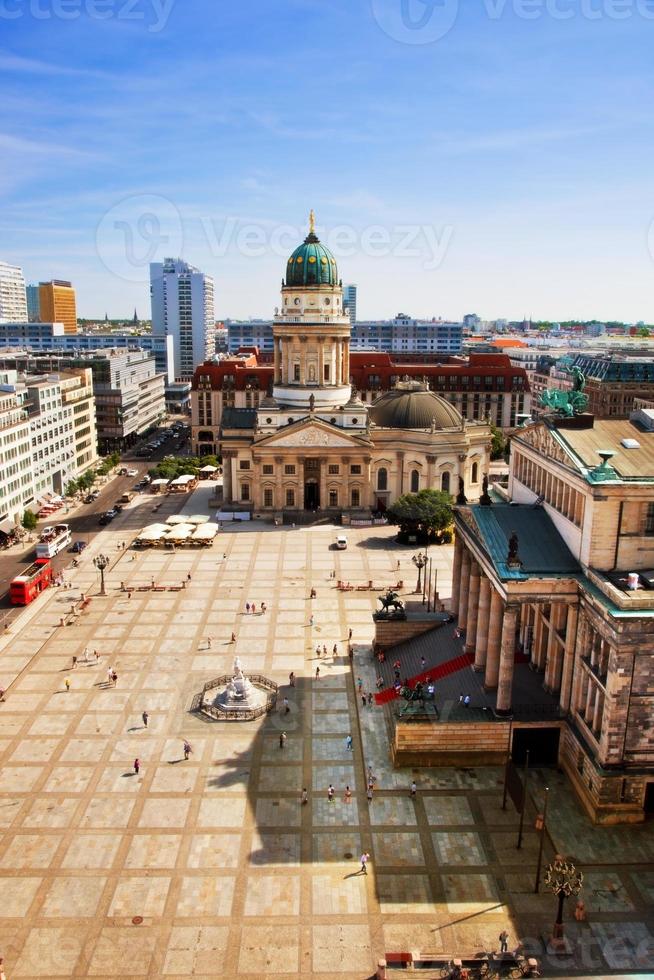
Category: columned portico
[483,619]
[464,590]
[507,659]
[473,608]
[494,641]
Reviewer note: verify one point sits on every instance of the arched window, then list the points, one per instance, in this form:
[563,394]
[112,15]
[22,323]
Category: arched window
[415,481]
[356,497]
[445,481]
[475,473]
[312,372]
[382,479]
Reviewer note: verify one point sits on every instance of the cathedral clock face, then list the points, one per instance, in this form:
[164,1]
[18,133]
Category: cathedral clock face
[297,301]
[327,301]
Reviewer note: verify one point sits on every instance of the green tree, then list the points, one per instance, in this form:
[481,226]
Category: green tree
[29,521]
[425,515]
[71,488]
[498,443]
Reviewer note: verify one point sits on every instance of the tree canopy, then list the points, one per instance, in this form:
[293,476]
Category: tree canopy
[426,514]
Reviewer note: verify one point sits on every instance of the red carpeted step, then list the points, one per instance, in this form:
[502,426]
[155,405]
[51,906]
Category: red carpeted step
[436,673]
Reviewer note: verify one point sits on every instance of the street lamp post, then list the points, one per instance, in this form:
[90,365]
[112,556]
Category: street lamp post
[419,561]
[101,562]
[563,880]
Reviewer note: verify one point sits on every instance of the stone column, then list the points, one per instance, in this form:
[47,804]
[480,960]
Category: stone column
[554,649]
[464,589]
[481,640]
[568,658]
[456,575]
[537,652]
[494,641]
[507,658]
[473,608]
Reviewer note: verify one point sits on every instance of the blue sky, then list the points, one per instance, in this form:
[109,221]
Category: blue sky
[503,168]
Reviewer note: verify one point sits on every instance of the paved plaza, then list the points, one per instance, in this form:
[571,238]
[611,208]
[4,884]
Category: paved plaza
[212,866]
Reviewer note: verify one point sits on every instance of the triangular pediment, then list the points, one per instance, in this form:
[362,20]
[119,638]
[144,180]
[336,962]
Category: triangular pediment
[310,434]
[541,438]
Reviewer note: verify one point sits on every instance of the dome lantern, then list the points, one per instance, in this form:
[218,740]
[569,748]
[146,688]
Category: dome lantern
[312,263]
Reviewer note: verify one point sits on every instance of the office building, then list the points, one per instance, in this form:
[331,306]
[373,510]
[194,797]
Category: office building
[183,308]
[57,304]
[33,303]
[129,393]
[404,335]
[16,484]
[13,299]
[350,301]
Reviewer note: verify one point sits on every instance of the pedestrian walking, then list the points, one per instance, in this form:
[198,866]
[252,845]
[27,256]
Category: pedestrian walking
[317,673]
[365,857]
[398,563]
[287,706]
[247,608]
[304,798]
[137,766]
[349,634]
[413,790]
[188,577]
[318,650]
[369,793]
[114,678]
[324,650]
[282,740]
[187,749]
[359,684]
[263,608]
[330,794]
[208,643]
[67,683]
[2,694]
[466,701]
[110,675]
[379,682]
[254,609]
[96,655]
[348,795]
[364,699]
[504,941]
[335,650]
[370,699]
[348,743]
[74,663]
[291,679]
[145,717]
[233,637]
[423,663]
[311,620]
[371,776]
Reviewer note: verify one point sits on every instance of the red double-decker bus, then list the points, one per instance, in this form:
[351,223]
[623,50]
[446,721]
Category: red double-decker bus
[27,586]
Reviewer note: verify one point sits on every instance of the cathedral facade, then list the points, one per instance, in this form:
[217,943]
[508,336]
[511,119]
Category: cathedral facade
[312,445]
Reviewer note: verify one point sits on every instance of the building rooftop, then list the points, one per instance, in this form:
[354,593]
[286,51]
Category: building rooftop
[541,549]
[636,463]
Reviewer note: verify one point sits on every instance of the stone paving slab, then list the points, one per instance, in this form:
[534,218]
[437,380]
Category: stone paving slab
[230,874]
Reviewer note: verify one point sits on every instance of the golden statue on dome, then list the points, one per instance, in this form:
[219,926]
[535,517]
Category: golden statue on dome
[312,222]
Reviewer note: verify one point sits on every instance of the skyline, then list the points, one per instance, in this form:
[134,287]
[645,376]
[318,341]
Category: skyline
[503,156]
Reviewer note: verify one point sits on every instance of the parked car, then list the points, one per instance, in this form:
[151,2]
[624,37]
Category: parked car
[108,517]
[79,547]
[131,472]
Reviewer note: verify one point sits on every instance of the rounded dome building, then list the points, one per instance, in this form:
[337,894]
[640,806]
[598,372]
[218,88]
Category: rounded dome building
[312,444]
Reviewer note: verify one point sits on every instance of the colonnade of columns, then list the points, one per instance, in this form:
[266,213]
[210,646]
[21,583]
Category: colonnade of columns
[493,625]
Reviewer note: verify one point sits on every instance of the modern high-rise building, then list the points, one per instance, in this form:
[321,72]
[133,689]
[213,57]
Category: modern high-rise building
[350,300]
[183,307]
[13,301]
[57,304]
[33,304]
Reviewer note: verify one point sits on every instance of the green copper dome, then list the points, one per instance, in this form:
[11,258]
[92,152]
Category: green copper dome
[311,264]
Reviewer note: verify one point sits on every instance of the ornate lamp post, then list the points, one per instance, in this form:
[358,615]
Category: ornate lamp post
[419,561]
[101,562]
[563,880]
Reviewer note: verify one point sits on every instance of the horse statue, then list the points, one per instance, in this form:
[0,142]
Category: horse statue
[392,606]
[566,403]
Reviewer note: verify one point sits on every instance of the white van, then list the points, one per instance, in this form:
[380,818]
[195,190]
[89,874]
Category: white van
[341,542]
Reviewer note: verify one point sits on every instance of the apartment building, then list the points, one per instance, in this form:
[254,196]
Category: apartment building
[13,297]
[57,304]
